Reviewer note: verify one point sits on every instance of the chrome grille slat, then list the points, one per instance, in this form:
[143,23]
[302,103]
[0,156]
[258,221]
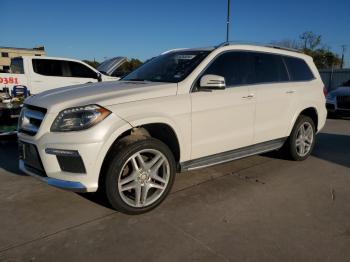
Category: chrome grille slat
[35,114]
[30,120]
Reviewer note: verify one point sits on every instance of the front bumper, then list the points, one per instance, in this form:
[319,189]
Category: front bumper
[90,146]
[67,185]
[332,107]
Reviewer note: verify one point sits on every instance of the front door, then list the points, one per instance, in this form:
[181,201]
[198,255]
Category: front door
[223,120]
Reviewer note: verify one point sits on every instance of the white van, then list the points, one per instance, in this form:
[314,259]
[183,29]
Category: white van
[39,74]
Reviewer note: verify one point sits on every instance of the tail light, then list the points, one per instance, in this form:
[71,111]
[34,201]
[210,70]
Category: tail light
[325,91]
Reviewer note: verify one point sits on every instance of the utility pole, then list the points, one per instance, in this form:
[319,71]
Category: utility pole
[343,48]
[228,21]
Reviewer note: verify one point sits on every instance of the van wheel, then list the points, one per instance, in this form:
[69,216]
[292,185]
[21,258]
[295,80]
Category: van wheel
[302,139]
[140,175]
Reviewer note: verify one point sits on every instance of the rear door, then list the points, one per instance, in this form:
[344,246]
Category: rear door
[17,75]
[274,97]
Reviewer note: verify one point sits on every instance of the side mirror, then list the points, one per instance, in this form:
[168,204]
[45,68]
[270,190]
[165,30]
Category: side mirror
[99,77]
[212,82]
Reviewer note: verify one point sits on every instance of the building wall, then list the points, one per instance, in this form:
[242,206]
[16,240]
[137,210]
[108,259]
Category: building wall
[6,53]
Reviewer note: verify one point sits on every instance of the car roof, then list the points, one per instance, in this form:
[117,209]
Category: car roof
[249,47]
[50,58]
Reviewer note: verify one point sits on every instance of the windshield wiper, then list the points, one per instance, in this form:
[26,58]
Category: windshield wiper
[135,79]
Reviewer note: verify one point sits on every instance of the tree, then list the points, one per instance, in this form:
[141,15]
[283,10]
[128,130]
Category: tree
[94,63]
[324,58]
[311,44]
[310,40]
[127,67]
[122,70]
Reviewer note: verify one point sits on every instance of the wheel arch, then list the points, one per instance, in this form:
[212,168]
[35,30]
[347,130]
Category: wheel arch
[310,112]
[160,130]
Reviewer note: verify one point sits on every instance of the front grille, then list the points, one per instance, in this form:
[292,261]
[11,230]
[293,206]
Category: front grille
[343,102]
[30,119]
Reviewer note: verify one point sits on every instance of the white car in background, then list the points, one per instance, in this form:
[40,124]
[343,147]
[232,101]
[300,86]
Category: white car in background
[42,73]
[30,75]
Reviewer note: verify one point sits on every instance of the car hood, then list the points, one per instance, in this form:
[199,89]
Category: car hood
[341,91]
[103,93]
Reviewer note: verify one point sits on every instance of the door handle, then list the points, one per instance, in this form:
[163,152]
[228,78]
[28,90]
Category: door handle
[290,91]
[248,96]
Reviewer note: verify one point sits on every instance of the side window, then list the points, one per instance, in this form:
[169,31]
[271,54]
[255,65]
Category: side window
[80,70]
[16,66]
[47,67]
[298,69]
[236,67]
[269,68]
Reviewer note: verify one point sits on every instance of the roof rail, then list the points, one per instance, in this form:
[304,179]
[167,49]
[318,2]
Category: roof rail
[284,48]
[259,44]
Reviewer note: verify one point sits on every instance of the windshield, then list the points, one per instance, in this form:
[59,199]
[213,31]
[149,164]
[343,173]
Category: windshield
[171,67]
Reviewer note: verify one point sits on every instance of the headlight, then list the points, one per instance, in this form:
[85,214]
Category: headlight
[79,118]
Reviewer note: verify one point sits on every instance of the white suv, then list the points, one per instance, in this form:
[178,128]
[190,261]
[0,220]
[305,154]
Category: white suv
[182,110]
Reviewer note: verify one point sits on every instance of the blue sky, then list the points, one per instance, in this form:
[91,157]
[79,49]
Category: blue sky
[142,29]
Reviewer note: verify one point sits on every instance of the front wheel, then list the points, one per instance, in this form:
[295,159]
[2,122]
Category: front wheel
[140,176]
[302,139]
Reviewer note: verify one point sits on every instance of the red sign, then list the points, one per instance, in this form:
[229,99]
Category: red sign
[9,80]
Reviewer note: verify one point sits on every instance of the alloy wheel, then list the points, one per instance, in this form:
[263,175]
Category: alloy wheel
[144,178]
[304,139]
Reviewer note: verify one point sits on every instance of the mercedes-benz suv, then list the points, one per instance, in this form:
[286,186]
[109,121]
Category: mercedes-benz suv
[183,110]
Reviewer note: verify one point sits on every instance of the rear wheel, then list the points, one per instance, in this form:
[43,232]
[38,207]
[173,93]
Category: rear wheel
[302,139]
[140,176]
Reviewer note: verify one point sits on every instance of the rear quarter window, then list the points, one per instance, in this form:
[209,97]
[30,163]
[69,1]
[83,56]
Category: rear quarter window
[298,69]
[269,68]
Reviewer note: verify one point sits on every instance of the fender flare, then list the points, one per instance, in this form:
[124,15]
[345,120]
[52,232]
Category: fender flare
[295,117]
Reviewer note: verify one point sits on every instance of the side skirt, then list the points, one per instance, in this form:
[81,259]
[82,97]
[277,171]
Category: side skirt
[232,155]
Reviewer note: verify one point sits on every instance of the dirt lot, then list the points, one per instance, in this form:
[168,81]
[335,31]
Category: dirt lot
[261,208]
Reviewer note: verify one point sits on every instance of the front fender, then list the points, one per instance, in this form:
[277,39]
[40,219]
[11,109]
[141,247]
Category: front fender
[181,137]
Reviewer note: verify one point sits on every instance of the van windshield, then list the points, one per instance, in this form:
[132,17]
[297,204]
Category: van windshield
[170,67]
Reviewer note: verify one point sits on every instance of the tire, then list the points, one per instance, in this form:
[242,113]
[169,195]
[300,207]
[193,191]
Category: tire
[132,184]
[295,142]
